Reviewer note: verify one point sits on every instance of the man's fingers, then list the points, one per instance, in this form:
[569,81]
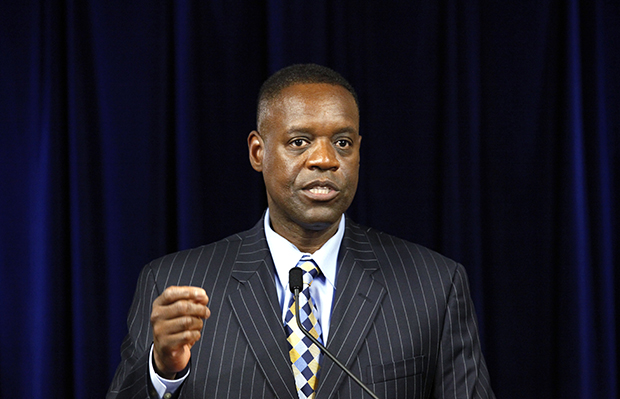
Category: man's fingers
[177,325]
[188,308]
[174,293]
[177,340]
[179,309]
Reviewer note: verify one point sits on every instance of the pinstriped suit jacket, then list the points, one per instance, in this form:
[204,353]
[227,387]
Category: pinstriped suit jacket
[402,320]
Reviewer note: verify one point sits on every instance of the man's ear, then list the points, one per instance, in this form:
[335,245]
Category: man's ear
[256,147]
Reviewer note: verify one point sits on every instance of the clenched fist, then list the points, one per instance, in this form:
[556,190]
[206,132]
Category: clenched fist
[177,319]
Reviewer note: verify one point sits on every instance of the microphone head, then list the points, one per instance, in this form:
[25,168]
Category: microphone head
[296,279]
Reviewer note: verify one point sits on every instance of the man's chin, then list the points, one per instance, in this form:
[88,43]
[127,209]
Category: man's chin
[317,226]
[320,222]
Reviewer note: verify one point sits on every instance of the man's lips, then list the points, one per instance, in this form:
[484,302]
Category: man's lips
[321,190]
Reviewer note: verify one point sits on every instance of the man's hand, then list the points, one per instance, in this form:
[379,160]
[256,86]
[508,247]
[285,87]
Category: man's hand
[177,320]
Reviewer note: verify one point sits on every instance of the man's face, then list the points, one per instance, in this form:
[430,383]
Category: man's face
[308,152]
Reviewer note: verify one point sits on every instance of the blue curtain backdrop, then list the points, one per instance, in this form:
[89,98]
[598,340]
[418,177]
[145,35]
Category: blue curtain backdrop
[491,134]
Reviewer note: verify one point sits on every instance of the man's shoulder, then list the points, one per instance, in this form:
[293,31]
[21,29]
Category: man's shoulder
[389,249]
[225,247]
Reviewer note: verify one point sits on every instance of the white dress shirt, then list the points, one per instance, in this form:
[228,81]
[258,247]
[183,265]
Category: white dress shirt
[285,256]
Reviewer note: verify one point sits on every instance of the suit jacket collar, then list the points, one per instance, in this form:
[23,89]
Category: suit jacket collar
[255,304]
[356,303]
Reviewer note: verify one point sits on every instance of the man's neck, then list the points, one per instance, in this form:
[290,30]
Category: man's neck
[306,240]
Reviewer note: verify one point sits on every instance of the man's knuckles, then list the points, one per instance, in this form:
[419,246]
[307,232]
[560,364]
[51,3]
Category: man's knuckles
[172,294]
[190,336]
[175,293]
[176,325]
[184,307]
[178,308]
[190,323]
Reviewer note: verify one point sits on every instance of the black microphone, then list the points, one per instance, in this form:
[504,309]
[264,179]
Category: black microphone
[296,283]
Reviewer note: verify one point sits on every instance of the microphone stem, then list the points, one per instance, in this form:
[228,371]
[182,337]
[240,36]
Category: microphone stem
[325,351]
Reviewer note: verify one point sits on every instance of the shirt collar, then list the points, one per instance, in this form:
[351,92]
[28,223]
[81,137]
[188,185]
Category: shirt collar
[285,255]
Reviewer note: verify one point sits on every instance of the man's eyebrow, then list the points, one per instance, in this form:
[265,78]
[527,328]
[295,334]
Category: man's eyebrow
[298,129]
[302,129]
[347,129]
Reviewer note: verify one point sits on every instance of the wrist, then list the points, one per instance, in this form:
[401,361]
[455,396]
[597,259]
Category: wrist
[158,369]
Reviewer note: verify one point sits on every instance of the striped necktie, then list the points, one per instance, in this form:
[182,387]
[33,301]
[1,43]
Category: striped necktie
[305,356]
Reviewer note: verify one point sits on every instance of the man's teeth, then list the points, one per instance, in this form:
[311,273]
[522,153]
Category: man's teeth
[319,190]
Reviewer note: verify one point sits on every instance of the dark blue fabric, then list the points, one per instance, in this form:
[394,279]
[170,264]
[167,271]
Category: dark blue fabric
[491,133]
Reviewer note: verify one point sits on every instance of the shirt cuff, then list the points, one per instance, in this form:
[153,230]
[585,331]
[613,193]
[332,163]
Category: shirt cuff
[165,388]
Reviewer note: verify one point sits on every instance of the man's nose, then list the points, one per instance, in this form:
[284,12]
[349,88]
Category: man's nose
[323,156]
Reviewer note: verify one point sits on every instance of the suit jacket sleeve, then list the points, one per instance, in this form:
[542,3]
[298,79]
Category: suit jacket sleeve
[461,369]
[132,379]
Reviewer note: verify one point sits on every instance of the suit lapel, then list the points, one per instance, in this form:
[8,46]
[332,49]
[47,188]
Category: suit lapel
[257,310]
[357,301]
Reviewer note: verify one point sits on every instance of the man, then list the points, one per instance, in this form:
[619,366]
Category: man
[210,322]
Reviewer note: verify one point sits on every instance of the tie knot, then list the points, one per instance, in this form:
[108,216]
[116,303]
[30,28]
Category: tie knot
[310,268]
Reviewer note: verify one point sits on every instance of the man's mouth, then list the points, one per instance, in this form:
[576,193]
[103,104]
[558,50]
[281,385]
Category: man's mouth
[320,190]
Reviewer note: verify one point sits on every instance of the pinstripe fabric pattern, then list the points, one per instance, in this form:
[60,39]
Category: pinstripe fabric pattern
[402,320]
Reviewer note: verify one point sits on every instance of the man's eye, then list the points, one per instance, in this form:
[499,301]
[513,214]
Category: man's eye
[297,142]
[343,143]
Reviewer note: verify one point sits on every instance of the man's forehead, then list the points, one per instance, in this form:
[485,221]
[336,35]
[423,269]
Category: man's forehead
[310,90]
[301,95]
